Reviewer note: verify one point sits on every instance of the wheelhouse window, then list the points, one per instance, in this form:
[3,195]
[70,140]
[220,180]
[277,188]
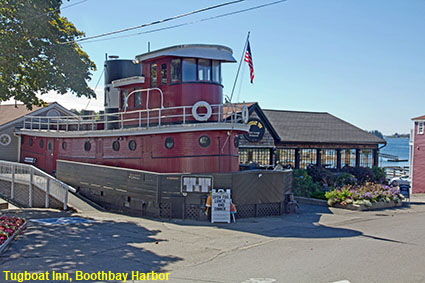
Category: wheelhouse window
[163,74]
[204,70]
[216,72]
[176,70]
[189,70]
[154,75]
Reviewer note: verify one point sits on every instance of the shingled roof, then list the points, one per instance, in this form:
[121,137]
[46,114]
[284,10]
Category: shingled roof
[317,127]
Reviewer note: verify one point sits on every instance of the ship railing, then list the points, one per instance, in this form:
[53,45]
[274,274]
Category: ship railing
[30,186]
[145,118]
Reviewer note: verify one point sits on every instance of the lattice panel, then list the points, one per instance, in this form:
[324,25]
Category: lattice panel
[245,211]
[192,212]
[165,210]
[268,209]
[21,194]
[5,188]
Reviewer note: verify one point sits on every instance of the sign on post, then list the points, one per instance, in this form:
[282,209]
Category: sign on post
[220,207]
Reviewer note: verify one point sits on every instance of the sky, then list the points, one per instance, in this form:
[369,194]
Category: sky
[362,61]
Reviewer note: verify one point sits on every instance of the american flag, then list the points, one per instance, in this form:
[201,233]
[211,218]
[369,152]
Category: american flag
[248,59]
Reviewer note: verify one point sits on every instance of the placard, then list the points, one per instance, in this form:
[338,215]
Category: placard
[196,184]
[220,207]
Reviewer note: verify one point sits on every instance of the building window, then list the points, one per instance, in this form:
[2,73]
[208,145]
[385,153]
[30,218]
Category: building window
[204,70]
[176,70]
[307,157]
[137,99]
[154,75]
[286,157]
[329,158]
[124,103]
[116,145]
[189,70]
[348,157]
[420,128]
[164,74]
[132,145]
[261,156]
[169,143]
[366,158]
[204,141]
[5,139]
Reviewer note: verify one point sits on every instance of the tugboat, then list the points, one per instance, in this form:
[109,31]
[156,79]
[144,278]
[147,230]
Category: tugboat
[163,113]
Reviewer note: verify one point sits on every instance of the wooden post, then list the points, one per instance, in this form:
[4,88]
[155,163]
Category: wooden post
[47,193]
[338,159]
[30,187]
[12,185]
[297,158]
[319,157]
[375,157]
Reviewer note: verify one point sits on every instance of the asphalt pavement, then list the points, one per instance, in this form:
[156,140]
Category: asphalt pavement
[317,244]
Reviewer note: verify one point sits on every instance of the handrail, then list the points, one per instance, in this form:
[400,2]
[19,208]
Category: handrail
[147,118]
[32,176]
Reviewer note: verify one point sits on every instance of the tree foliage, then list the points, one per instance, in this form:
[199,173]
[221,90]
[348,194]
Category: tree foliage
[38,53]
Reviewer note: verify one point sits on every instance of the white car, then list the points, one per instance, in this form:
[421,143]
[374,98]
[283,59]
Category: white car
[397,181]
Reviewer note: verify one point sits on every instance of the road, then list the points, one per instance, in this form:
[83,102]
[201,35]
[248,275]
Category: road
[318,244]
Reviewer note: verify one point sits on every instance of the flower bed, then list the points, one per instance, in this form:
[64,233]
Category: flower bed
[365,197]
[9,228]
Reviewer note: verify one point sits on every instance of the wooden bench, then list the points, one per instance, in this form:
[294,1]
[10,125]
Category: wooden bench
[30,160]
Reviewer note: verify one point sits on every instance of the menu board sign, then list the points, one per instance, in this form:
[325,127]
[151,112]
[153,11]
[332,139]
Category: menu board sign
[220,207]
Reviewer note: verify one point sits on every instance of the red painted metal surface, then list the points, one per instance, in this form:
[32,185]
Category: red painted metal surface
[150,152]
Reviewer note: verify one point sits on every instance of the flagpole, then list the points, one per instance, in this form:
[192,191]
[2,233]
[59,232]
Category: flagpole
[240,64]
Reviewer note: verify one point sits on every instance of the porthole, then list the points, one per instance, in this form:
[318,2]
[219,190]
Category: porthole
[132,145]
[169,143]
[5,139]
[41,143]
[236,141]
[64,145]
[49,146]
[30,141]
[204,141]
[116,145]
[87,146]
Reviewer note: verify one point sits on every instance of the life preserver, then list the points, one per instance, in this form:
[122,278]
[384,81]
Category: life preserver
[245,114]
[203,116]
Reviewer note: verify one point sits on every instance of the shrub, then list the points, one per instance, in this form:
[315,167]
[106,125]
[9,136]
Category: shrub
[363,194]
[303,184]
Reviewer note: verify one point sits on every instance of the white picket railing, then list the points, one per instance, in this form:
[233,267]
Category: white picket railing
[146,118]
[30,176]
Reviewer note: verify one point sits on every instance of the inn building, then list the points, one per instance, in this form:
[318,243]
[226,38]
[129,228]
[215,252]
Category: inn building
[297,139]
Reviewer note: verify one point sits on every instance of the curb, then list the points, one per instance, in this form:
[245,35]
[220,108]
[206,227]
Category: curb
[312,201]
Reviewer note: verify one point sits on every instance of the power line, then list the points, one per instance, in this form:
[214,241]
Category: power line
[155,22]
[192,22]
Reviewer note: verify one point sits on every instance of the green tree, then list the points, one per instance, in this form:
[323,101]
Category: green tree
[38,52]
